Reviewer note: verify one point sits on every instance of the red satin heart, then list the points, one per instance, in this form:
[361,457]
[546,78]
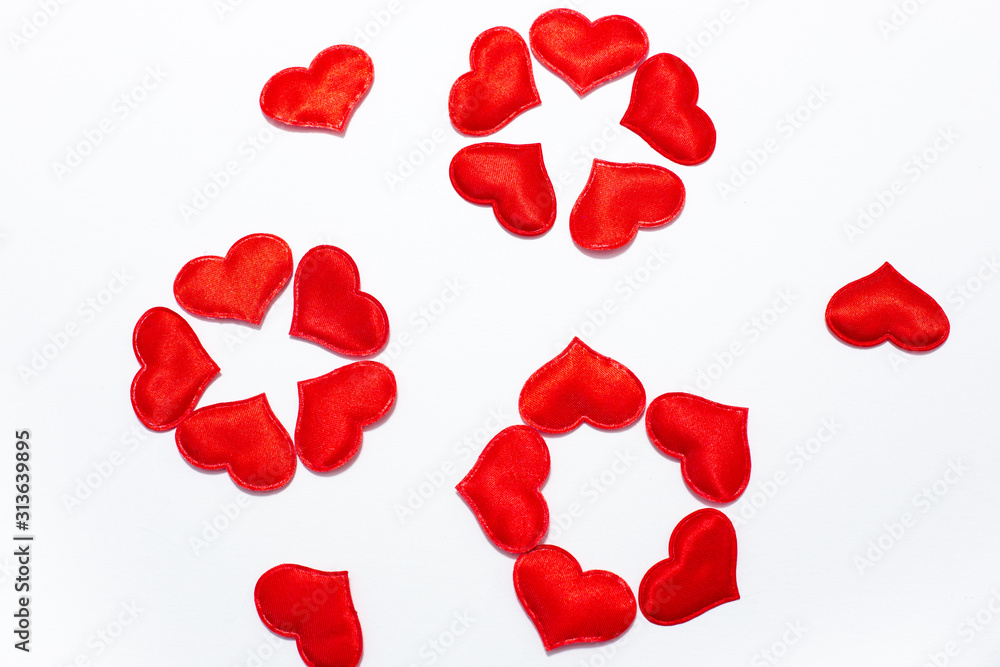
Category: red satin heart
[503,489]
[579,386]
[331,309]
[243,437]
[885,306]
[619,199]
[586,53]
[335,408]
[315,609]
[174,369]
[512,179]
[568,605]
[709,438]
[323,95]
[664,112]
[239,286]
[499,87]
[699,575]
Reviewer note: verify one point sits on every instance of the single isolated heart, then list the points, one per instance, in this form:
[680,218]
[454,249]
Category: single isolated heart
[699,575]
[503,489]
[315,609]
[585,53]
[512,179]
[239,286]
[323,95]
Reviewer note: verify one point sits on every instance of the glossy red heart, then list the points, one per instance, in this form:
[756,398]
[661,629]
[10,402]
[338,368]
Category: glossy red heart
[322,95]
[664,111]
[587,53]
[335,408]
[239,286]
[504,489]
[331,309]
[619,199]
[315,609]
[885,306]
[499,87]
[709,438]
[580,386]
[174,369]
[568,605]
[242,437]
[699,575]
[512,179]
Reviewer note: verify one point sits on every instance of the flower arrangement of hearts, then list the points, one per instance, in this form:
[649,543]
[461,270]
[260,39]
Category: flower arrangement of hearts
[504,491]
[618,199]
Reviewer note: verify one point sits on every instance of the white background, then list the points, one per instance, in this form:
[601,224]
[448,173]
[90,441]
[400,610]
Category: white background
[901,419]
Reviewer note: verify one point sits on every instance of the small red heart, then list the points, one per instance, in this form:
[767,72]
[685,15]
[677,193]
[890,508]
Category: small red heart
[579,386]
[699,575]
[511,178]
[587,53]
[885,306]
[503,489]
[322,95]
[619,199]
[499,87]
[709,438]
[174,369]
[568,605]
[245,438]
[331,309]
[664,111]
[335,408]
[315,609]
[239,286]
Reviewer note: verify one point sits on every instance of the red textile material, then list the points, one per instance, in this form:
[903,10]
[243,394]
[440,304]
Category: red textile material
[315,609]
[580,386]
[885,306]
[499,87]
[568,605]
[709,438]
[503,489]
[244,438]
[512,179]
[335,408]
[323,95]
[330,308]
[619,199]
[174,369]
[699,575]
[584,53]
[664,112]
[239,286]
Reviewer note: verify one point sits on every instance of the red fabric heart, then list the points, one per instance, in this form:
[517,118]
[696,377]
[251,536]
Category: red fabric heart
[335,408]
[709,438]
[585,53]
[323,95]
[568,605]
[619,199]
[699,575]
[315,609]
[239,286]
[512,179]
[579,386]
[664,112]
[503,489]
[245,438]
[174,369]
[330,308]
[499,87]
[885,306]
